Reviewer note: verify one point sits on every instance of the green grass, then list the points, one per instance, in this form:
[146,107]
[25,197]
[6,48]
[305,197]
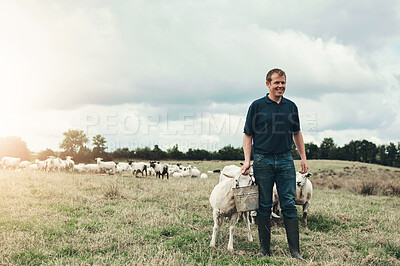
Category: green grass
[67,218]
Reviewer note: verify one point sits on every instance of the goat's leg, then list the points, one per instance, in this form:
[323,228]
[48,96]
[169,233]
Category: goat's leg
[233,222]
[305,211]
[247,222]
[218,220]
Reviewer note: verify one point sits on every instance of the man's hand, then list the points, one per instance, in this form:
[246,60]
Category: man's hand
[245,168]
[304,166]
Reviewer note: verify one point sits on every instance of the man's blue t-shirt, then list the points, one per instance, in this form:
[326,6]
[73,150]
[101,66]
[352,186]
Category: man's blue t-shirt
[271,125]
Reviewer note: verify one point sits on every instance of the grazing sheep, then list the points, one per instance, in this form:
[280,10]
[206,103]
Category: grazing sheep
[106,166]
[41,164]
[33,167]
[150,170]
[69,163]
[24,164]
[203,175]
[80,168]
[160,168]
[123,167]
[303,192]
[187,171]
[138,167]
[176,174]
[195,172]
[10,162]
[229,172]
[52,164]
[173,169]
[223,204]
[92,167]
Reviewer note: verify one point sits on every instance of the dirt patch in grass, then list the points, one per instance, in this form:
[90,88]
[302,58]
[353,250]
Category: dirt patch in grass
[361,180]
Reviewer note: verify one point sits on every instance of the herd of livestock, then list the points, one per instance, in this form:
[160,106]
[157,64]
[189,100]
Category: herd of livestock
[52,164]
[221,199]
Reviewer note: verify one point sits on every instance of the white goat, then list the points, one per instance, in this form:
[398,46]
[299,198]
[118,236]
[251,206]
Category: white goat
[92,167]
[160,168]
[138,167]
[172,168]
[203,175]
[187,171]
[80,168]
[223,204]
[303,192]
[41,164]
[24,164]
[195,172]
[52,164]
[177,174]
[33,167]
[10,162]
[123,167]
[106,166]
[69,162]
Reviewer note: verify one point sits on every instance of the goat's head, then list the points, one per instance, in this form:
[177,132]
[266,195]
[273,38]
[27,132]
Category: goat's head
[301,178]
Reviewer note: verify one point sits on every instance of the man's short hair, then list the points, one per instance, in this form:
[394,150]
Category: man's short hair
[278,71]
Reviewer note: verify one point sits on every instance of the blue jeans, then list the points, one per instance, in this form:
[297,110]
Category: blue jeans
[279,169]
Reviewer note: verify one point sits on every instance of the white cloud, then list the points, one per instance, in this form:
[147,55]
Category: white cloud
[150,57]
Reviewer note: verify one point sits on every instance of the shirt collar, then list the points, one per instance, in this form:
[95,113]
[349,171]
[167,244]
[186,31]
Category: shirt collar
[268,100]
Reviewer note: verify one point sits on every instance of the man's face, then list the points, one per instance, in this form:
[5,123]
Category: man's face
[277,85]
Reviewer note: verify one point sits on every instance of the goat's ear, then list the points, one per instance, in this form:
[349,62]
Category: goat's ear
[308,174]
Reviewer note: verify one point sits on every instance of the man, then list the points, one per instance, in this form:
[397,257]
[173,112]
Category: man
[272,124]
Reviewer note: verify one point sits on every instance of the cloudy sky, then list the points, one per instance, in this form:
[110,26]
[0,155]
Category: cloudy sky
[147,72]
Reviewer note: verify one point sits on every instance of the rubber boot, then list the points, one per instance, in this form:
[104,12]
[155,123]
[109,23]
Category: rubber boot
[292,233]
[264,233]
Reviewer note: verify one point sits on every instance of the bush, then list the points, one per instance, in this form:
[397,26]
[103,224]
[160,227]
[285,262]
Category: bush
[368,188]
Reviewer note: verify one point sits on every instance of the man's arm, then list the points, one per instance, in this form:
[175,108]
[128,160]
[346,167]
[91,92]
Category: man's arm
[247,142]
[298,141]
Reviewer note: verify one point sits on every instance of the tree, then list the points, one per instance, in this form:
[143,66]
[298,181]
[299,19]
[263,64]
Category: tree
[14,147]
[311,150]
[368,151]
[175,153]
[74,140]
[157,153]
[84,155]
[392,153]
[43,155]
[231,153]
[99,143]
[123,153]
[143,153]
[326,148]
[295,154]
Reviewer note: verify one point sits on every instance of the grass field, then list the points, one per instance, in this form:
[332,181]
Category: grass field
[68,218]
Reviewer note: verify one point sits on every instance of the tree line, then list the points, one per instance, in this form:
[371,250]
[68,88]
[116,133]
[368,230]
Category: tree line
[75,143]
